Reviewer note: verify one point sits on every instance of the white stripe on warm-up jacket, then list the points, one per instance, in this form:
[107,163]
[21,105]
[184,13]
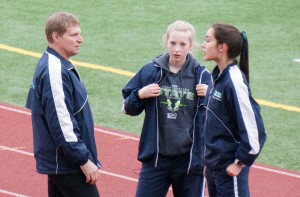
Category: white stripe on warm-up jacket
[63,115]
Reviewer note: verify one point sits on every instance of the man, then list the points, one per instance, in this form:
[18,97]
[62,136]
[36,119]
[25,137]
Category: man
[62,121]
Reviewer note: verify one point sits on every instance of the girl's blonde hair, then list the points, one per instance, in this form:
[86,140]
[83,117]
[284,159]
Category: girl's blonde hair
[183,26]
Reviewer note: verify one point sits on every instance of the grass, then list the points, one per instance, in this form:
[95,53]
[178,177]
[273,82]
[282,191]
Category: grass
[127,34]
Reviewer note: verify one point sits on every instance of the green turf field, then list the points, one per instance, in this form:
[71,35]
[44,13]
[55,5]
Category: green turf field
[126,34]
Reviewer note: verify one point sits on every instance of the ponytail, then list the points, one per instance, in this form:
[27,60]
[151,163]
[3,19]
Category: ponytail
[244,56]
[237,44]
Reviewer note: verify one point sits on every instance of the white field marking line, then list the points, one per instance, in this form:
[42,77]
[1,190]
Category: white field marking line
[101,171]
[276,171]
[11,193]
[133,138]
[297,60]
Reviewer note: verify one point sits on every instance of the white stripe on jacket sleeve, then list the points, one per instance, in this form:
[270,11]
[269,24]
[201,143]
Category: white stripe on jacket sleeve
[63,115]
[246,109]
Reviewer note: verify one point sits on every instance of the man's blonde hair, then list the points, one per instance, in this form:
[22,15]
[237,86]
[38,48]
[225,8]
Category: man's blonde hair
[59,22]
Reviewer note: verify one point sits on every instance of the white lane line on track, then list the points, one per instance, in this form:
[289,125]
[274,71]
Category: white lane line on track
[134,138]
[119,176]
[12,193]
[15,110]
[276,171]
[101,171]
[117,134]
[15,150]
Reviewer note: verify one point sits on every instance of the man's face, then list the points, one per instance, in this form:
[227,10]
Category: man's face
[69,43]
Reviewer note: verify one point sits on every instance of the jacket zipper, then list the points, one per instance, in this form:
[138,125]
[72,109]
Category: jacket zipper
[213,86]
[56,171]
[191,151]
[157,126]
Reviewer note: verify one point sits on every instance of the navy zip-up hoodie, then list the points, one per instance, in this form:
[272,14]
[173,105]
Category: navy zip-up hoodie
[62,121]
[149,140]
[234,127]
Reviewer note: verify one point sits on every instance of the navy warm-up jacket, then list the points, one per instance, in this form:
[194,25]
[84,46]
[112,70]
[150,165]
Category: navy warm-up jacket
[234,127]
[62,121]
[149,141]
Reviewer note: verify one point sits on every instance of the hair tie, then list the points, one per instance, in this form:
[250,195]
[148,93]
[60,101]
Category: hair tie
[245,44]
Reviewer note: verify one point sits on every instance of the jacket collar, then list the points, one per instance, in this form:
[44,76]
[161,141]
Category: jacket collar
[216,72]
[67,64]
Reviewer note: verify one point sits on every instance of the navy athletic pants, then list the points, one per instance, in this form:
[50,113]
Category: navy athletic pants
[171,171]
[70,185]
[220,184]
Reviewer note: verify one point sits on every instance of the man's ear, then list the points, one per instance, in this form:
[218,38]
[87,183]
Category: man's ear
[55,36]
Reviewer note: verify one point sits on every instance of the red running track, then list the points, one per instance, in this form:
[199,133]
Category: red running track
[117,151]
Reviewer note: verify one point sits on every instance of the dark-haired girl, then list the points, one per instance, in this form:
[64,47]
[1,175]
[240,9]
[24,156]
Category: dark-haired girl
[234,129]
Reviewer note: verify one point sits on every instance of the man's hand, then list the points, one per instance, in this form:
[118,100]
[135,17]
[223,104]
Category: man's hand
[91,172]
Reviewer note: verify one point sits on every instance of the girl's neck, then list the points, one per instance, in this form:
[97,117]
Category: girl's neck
[174,67]
[222,64]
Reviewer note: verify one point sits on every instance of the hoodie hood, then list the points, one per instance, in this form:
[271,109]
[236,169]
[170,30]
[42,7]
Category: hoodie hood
[188,67]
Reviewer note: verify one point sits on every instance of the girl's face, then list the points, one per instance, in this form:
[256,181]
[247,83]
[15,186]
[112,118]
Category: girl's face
[178,46]
[209,46]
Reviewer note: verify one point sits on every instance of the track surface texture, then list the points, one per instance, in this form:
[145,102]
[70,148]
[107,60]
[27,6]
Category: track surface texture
[117,151]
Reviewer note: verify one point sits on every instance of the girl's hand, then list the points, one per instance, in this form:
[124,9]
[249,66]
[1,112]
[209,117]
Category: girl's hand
[233,170]
[201,89]
[149,91]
